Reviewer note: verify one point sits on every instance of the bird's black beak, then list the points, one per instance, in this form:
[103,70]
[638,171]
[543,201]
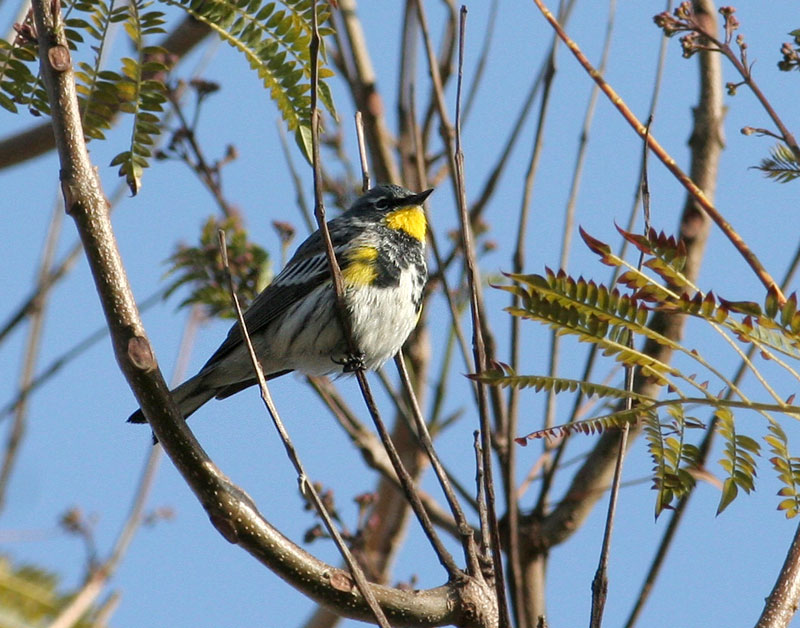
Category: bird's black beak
[418,199]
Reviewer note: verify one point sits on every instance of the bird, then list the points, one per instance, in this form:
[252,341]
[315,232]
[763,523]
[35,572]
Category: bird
[293,323]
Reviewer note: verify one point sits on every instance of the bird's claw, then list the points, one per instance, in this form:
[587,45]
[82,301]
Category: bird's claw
[352,363]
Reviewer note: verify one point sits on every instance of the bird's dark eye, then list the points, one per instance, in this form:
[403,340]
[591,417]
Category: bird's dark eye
[382,203]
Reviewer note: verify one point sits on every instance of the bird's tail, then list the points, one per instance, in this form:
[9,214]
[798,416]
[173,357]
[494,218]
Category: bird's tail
[189,396]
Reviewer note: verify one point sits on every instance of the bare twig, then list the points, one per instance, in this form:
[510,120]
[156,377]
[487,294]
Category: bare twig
[306,485]
[362,153]
[368,101]
[465,530]
[480,66]
[32,346]
[600,581]
[373,453]
[480,482]
[209,175]
[516,584]
[300,196]
[473,281]
[590,359]
[490,185]
[440,274]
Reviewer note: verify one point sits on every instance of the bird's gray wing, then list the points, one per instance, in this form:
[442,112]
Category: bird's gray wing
[307,270]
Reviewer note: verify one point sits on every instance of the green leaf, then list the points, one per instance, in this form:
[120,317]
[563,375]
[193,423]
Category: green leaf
[199,268]
[302,136]
[275,44]
[729,493]
[782,165]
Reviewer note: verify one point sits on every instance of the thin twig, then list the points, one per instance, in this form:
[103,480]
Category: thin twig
[600,580]
[483,56]
[300,197]
[481,489]
[208,175]
[373,453]
[516,584]
[362,153]
[363,87]
[490,185]
[306,485]
[448,134]
[75,351]
[466,532]
[689,185]
[32,347]
[473,281]
[518,257]
[432,240]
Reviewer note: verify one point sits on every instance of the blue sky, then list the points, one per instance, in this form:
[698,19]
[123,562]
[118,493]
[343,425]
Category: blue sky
[79,451]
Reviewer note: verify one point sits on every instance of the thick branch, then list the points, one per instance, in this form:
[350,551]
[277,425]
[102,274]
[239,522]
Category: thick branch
[784,598]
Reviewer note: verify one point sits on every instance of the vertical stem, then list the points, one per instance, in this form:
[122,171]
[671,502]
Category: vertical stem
[478,345]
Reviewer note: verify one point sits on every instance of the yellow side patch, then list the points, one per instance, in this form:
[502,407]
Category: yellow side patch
[359,267]
[410,219]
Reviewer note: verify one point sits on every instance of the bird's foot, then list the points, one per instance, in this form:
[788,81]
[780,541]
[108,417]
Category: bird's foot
[352,363]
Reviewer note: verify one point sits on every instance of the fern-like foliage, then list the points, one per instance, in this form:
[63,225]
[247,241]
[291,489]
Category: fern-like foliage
[787,468]
[144,95]
[200,268]
[738,459]
[673,458]
[29,596]
[592,425]
[99,90]
[781,165]
[504,376]
[273,36]
[592,312]
[19,85]
[275,40]
[607,318]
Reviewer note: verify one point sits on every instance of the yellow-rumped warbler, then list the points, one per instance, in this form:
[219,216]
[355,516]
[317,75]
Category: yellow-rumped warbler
[380,246]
